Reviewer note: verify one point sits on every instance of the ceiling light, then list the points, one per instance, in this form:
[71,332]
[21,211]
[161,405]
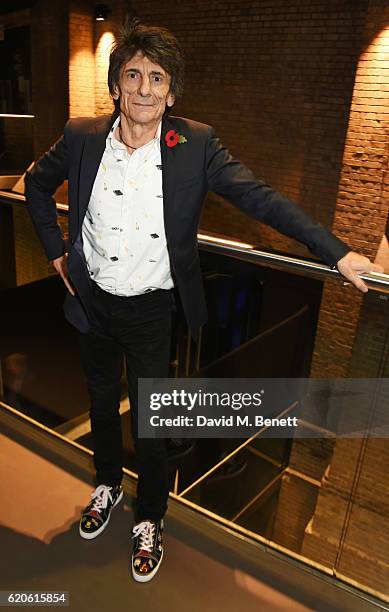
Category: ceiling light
[102,11]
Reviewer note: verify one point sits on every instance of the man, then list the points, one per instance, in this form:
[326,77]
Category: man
[137,181]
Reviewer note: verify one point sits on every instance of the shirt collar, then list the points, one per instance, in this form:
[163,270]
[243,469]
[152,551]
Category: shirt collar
[116,144]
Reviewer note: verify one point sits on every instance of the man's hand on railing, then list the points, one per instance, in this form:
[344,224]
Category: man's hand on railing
[60,264]
[353,264]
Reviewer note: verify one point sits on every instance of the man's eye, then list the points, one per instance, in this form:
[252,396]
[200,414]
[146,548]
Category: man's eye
[133,75]
[157,79]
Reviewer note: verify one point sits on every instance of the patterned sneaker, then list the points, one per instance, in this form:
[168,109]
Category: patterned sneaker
[95,516]
[148,549]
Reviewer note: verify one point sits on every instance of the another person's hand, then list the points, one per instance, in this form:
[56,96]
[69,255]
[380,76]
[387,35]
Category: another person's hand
[353,264]
[60,264]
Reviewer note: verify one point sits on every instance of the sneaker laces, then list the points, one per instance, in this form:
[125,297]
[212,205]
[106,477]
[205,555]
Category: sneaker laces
[101,496]
[146,531]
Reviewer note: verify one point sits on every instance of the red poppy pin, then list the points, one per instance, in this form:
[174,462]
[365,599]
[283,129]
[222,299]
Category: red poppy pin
[172,138]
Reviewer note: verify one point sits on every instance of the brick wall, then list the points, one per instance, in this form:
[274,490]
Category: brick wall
[104,39]
[81,60]
[354,495]
[362,202]
[275,79]
[49,47]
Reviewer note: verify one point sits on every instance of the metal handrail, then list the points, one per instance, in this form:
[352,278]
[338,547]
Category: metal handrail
[222,245]
[255,255]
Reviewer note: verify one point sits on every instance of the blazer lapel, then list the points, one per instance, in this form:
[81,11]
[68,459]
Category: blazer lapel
[168,176]
[94,146]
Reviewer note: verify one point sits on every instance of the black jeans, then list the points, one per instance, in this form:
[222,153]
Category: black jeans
[138,327]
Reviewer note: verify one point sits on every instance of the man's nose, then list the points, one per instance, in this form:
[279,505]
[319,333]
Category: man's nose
[144,87]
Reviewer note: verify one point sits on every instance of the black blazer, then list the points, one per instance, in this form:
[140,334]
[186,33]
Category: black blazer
[189,170]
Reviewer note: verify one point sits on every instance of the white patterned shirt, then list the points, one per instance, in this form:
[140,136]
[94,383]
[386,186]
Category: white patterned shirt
[123,230]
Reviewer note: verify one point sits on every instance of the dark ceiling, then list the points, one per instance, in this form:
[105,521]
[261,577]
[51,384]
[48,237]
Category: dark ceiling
[9,6]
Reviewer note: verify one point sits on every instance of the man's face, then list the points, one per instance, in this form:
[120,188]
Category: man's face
[144,90]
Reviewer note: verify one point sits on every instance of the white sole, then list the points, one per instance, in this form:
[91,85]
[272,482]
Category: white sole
[90,536]
[146,578]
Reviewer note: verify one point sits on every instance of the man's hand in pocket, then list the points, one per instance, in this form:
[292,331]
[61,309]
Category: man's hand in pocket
[60,264]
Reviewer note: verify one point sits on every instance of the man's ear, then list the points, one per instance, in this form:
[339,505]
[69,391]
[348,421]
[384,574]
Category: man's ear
[170,99]
[116,93]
